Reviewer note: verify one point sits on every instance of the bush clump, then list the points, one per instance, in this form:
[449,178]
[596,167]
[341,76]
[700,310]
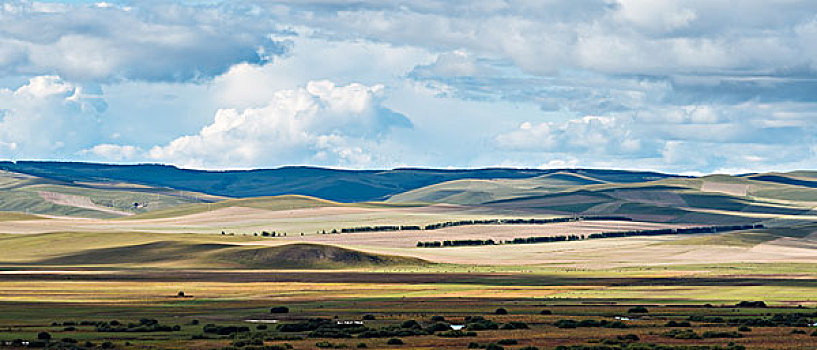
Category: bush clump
[682,334]
[722,334]
[457,334]
[638,310]
[279,310]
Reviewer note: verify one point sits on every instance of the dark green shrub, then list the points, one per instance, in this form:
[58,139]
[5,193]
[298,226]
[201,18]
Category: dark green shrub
[501,311]
[410,324]
[368,317]
[438,327]
[279,310]
[566,324]
[744,329]
[395,341]
[515,325]
[759,304]
[508,342]
[682,334]
[437,319]
[457,334]
[43,336]
[545,312]
[722,334]
[638,310]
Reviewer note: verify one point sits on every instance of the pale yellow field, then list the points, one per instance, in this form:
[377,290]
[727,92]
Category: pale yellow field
[147,293]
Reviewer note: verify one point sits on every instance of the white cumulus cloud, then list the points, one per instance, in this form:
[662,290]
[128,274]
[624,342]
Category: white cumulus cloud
[320,123]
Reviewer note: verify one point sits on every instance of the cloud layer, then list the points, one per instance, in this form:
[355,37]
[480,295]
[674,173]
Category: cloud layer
[682,86]
[322,123]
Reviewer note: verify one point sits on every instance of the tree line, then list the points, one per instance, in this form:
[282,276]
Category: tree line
[563,238]
[439,225]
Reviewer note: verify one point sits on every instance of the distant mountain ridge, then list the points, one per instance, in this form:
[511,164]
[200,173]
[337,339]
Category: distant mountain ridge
[332,184]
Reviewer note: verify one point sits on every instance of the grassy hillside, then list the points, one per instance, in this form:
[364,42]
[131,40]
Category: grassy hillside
[311,256]
[179,251]
[715,199]
[286,202]
[332,184]
[472,192]
[23,193]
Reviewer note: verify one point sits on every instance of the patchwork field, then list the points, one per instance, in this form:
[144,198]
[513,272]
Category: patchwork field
[97,264]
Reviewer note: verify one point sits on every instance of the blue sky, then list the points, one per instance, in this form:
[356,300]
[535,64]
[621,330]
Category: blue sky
[676,86]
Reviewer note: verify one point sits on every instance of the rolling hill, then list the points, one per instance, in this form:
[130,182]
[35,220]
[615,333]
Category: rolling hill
[23,193]
[331,184]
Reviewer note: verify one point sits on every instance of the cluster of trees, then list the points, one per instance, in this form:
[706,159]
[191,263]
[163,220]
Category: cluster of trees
[564,238]
[646,346]
[224,330]
[445,224]
[379,228]
[675,231]
[796,319]
[545,239]
[144,325]
[455,243]
[589,324]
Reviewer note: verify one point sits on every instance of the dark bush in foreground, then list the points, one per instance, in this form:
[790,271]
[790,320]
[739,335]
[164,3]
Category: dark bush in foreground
[508,342]
[682,334]
[722,334]
[44,336]
[279,310]
[479,323]
[457,334]
[515,325]
[589,324]
[501,311]
[638,310]
[224,330]
[395,341]
[744,303]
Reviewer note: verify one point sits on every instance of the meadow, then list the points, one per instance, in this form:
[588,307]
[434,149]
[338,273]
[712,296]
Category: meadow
[194,271]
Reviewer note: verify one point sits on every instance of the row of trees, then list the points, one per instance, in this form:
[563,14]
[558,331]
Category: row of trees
[445,224]
[563,238]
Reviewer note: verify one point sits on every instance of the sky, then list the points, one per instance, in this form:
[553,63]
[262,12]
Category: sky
[691,87]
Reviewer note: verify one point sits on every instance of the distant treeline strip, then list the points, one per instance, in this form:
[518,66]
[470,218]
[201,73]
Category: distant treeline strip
[563,238]
[440,225]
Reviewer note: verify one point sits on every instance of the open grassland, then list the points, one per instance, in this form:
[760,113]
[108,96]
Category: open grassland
[542,310]
[129,248]
[57,271]
[35,195]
